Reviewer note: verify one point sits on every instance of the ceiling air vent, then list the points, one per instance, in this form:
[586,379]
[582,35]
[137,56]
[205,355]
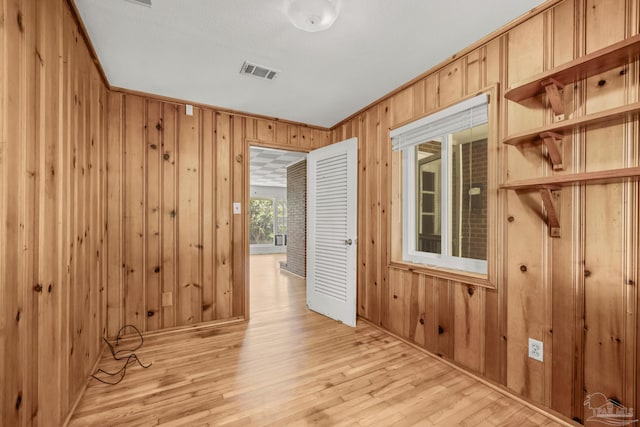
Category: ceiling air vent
[258,71]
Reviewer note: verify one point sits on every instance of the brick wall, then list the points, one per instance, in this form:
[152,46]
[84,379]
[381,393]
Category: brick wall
[297,219]
[474,207]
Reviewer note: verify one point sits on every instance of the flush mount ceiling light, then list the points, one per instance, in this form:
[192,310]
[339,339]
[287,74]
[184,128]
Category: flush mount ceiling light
[312,15]
[146,3]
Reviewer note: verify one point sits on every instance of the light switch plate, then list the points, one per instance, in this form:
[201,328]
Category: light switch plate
[167,299]
[236,208]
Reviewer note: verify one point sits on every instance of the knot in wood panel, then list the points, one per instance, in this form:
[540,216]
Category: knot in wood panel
[20,24]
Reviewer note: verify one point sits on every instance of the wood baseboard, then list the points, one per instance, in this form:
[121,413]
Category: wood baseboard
[80,395]
[195,326]
[550,413]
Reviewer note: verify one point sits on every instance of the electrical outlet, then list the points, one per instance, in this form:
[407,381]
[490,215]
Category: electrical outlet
[535,349]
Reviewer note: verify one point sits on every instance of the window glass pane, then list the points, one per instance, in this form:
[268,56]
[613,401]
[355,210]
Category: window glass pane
[281,227]
[468,196]
[261,221]
[428,187]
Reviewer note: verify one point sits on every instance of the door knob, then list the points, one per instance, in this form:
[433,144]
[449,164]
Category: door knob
[348,242]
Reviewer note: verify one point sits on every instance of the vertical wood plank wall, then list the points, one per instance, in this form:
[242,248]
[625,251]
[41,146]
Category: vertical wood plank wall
[176,250]
[579,292]
[52,212]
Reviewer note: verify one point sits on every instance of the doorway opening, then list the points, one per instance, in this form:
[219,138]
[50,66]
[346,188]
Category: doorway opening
[277,227]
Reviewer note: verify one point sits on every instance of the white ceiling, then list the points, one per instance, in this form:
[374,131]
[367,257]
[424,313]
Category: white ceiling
[268,167]
[194,49]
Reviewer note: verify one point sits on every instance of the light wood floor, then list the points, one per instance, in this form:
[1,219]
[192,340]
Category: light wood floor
[289,366]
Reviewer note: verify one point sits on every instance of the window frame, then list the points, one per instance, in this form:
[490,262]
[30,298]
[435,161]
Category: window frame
[409,219]
[495,202]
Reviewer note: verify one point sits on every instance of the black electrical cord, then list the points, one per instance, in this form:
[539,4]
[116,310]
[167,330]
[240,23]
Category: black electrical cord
[122,371]
[130,358]
[115,353]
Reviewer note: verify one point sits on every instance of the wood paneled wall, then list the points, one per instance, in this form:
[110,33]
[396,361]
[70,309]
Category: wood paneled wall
[177,253]
[578,293]
[52,212]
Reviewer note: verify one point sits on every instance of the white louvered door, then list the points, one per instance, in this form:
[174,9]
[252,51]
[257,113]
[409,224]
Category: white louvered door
[332,215]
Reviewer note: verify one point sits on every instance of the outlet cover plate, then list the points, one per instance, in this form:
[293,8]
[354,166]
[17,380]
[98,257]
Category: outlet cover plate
[536,350]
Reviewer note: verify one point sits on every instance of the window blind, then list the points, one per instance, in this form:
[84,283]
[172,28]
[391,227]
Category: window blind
[464,115]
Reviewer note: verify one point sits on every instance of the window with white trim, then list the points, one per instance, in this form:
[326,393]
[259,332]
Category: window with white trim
[444,187]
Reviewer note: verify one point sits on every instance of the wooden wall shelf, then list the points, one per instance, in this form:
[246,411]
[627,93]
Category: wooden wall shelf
[568,126]
[589,65]
[558,181]
[548,186]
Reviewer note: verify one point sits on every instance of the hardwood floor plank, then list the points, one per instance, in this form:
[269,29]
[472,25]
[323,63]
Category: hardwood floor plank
[291,367]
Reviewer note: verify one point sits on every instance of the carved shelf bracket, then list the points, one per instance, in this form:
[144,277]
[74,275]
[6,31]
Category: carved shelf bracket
[553,88]
[548,187]
[548,195]
[553,142]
